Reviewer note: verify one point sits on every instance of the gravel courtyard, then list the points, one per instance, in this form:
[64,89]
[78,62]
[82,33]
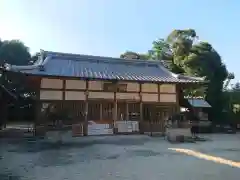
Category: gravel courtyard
[117,157]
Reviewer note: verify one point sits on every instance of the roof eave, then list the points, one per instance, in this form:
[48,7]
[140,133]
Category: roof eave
[194,80]
[105,79]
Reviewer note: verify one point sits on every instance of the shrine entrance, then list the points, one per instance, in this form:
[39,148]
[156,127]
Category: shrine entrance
[154,117]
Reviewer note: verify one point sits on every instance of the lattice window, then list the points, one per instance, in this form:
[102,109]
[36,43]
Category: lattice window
[134,111]
[109,86]
[93,111]
[107,111]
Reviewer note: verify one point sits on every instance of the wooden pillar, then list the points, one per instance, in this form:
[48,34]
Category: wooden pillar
[64,89]
[115,110]
[141,125]
[141,104]
[101,111]
[38,107]
[178,88]
[85,129]
[127,113]
[159,92]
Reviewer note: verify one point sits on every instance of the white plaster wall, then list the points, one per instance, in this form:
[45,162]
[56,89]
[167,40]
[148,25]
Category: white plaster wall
[101,95]
[51,83]
[133,87]
[51,95]
[149,97]
[167,88]
[95,85]
[75,84]
[149,87]
[75,95]
[168,98]
[130,96]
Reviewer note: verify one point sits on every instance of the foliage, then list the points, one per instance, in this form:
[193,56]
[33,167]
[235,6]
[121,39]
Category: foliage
[185,54]
[161,50]
[232,96]
[230,77]
[14,52]
[236,87]
[134,55]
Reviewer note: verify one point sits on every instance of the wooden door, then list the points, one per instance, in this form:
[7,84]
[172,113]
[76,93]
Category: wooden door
[121,111]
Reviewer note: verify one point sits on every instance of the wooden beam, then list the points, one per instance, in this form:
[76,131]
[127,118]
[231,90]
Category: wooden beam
[101,111]
[38,106]
[115,111]
[115,106]
[177,110]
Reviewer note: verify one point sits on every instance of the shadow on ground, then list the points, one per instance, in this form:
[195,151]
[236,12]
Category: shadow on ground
[9,176]
[39,145]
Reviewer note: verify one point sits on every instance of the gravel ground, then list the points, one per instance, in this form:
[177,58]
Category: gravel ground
[117,157]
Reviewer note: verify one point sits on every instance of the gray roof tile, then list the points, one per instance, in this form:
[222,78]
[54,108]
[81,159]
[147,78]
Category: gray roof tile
[199,103]
[96,67]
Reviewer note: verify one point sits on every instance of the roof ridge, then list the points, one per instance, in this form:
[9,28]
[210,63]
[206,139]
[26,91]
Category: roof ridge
[104,58]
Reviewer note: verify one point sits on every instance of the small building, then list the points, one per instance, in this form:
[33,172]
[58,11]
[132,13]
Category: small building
[199,108]
[103,95]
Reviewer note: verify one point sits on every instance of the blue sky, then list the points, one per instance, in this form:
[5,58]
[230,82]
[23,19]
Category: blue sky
[109,27]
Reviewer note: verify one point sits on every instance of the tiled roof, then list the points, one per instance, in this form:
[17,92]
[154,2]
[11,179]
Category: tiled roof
[199,103]
[96,67]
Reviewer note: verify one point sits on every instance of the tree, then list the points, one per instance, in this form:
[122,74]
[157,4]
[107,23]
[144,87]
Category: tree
[134,55]
[162,50]
[34,58]
[1,42]
[232,107]
[202,60]
[184,54]
[14,52]
[230,77]
[236,87]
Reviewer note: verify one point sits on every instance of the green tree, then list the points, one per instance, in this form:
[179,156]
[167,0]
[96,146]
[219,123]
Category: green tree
[1,42]
[14,52]
[134,55]
[184,54]
[202,60]
[162,50]
[232,107]
[236,88]
[34,58]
